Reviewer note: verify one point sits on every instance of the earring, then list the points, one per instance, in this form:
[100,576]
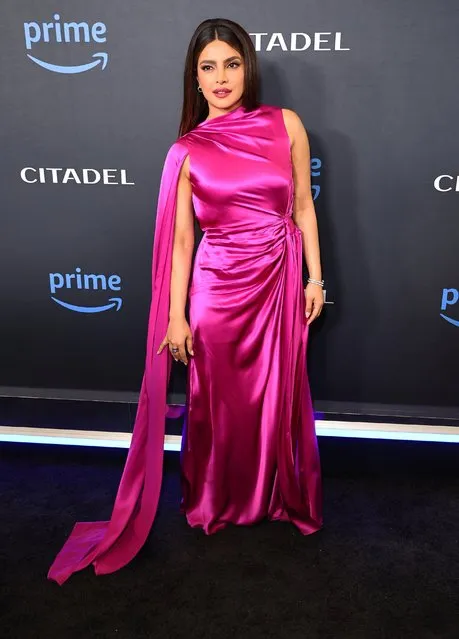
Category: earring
[199,89]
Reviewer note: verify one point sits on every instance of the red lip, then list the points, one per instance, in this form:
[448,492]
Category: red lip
[222,91]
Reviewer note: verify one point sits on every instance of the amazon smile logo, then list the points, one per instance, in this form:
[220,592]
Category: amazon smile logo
[66,33]
[78,281]
[450,296]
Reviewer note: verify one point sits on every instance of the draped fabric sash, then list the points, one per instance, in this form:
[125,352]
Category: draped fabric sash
[110,545]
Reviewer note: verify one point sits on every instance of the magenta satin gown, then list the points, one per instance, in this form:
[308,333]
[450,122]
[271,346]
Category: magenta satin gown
[249,447]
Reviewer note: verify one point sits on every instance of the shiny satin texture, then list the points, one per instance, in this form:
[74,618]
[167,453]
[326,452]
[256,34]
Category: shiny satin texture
[249,448]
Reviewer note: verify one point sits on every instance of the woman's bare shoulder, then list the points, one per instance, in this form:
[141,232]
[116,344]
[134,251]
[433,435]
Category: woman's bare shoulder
[293,123]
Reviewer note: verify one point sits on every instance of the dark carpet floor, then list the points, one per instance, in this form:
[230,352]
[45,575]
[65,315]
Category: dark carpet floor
[386,564]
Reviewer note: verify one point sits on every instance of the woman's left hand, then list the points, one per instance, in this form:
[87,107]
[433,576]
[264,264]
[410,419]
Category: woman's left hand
[314,301]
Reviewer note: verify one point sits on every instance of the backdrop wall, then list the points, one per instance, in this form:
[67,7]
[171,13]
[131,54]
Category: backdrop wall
[91,97]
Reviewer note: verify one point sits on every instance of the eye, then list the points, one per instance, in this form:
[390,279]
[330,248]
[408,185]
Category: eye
[206,66]
[236,63]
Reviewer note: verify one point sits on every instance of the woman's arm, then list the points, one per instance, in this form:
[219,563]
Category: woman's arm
[304,214]
[183,244]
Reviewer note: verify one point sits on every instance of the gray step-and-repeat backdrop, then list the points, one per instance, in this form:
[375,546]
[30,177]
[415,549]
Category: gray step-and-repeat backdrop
[90,102]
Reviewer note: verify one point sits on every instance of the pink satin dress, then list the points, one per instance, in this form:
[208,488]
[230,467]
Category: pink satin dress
[249,447]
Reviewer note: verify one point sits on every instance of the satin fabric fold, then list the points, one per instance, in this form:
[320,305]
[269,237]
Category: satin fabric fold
[110,545]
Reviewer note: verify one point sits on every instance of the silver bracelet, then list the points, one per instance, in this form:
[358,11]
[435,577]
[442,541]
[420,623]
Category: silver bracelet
[319,282]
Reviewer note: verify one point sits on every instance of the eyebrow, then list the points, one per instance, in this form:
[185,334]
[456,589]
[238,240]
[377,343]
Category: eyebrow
[234,57]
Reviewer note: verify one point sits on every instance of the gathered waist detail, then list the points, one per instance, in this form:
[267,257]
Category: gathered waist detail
[226,235]
[291,227]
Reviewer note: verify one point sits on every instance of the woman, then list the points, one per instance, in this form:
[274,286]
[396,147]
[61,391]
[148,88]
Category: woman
[249,447]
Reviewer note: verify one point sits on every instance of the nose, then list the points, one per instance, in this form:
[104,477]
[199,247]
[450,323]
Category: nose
[221,76]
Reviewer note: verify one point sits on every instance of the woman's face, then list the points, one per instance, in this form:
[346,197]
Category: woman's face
[221,67]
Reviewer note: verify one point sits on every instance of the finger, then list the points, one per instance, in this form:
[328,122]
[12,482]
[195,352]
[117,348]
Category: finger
[182,353]
[312,317]
[172,352]
[161,346]
[315,313]
[309,305]
[189,344]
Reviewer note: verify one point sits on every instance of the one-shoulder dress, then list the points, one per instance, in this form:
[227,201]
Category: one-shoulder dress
[249,447]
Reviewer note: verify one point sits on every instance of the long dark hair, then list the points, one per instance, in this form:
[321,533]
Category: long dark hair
[195,108]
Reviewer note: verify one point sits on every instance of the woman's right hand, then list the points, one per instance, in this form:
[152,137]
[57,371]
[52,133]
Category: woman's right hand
[178,336]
